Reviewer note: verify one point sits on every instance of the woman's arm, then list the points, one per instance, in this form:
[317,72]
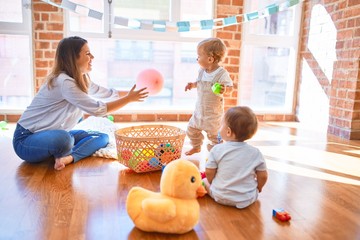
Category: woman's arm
[100,92]
[131,96]
[122,93]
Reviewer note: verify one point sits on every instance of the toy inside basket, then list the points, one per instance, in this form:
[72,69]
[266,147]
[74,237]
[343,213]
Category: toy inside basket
[147,148]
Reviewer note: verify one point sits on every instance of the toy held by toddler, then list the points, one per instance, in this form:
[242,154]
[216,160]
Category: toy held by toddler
[210,102]
[235,171]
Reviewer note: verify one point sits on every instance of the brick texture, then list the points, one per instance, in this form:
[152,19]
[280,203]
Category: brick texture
[232,37]
[342,87]
[48,29]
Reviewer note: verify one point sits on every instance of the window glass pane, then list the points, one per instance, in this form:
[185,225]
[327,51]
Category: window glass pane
[15,73]
[280,23]
[11,11]
[265,80]
[118,62]
[80,22]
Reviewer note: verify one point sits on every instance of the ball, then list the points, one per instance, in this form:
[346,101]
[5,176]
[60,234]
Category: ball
[126,154]
[216,88]
[152,79]
[154,162]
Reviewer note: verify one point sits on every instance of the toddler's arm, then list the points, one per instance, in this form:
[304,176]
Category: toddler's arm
[261,177]
[210,174]
[190,86]
[226,89]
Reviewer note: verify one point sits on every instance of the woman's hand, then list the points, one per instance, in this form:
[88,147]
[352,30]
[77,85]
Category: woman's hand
[132,96]
[138,95]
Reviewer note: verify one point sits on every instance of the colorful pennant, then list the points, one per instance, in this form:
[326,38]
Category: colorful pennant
[181,26]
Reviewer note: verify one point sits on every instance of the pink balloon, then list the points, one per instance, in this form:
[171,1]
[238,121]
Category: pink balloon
[151,79]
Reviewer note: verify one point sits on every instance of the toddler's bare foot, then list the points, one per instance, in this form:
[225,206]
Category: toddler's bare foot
[192,151]
[60,163]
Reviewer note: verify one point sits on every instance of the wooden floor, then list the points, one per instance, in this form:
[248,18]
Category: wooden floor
[314,177]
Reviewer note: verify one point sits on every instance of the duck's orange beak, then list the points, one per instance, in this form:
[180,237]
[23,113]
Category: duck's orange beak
[201,191]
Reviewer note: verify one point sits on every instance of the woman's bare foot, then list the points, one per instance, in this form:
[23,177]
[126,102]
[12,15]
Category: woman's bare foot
[192,151]
[60,163]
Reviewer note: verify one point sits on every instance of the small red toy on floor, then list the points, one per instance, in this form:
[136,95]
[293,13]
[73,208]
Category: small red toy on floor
[281,215]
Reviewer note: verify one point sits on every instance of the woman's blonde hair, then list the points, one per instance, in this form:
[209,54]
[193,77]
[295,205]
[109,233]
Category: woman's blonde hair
[214,47]
[67,52]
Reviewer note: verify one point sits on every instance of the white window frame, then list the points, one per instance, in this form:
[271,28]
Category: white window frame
[276,41]
[19,28]
[23,28]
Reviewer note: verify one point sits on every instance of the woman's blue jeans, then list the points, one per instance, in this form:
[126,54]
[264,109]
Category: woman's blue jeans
[50,144]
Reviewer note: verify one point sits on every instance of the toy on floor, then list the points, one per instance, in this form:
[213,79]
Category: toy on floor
[281,215]
[3,125]
[151,79]
[175,208]
[111,118]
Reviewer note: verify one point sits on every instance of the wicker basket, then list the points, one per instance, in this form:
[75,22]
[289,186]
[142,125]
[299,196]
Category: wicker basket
[147,148]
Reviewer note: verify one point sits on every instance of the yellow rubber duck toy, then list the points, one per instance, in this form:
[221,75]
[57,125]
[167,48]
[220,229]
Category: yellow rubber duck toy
[175,208]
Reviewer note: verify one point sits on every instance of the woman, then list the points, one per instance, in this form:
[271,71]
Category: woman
[44,130]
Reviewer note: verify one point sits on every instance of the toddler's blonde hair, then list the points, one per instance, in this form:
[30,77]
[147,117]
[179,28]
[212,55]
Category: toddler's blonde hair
[214,47]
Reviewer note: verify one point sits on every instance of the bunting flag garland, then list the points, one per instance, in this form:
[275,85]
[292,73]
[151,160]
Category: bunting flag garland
[181,26]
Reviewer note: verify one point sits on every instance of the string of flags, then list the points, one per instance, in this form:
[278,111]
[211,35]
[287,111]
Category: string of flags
[180,26]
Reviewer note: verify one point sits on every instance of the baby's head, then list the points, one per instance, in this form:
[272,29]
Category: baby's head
[242,121]
[213,47]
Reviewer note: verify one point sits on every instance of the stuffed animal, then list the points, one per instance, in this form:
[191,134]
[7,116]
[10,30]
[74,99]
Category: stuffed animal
[175,208]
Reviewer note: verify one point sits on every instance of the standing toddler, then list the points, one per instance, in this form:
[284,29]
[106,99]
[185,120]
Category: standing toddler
[209,105]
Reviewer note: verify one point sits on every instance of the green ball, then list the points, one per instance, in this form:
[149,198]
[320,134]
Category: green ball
[111,118]
[216,88]
[3,124]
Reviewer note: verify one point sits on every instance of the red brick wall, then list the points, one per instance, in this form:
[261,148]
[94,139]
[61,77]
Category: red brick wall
[343,89]
[48,29]
[232,37]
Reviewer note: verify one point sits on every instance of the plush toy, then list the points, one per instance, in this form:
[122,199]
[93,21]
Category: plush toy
[175,208]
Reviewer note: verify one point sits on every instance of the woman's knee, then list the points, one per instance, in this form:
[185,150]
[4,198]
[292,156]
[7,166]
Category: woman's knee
[63,141]
[104,138]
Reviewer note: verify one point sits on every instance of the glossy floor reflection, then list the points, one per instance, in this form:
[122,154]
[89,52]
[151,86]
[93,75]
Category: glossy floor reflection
[315,177]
